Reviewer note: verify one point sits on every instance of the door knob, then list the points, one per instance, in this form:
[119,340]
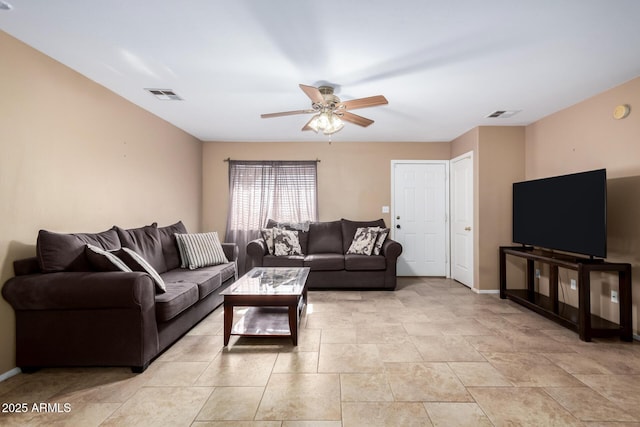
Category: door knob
[467,229]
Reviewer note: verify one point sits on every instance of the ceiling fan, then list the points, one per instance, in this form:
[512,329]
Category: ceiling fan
[330,111]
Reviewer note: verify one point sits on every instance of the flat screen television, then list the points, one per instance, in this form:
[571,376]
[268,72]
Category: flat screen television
[566,213]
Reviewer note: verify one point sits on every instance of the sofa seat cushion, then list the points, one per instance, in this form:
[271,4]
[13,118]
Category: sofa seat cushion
[208,279]
[364,262]
[178,297]
[226,270]
[283,261]
[324,262]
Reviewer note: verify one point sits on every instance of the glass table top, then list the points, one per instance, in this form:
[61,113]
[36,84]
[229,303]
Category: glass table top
[270,281]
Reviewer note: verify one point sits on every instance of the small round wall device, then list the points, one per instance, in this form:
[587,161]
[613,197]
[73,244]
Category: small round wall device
[621,111]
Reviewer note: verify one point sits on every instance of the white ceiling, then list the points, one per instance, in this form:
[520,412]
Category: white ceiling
[443,65]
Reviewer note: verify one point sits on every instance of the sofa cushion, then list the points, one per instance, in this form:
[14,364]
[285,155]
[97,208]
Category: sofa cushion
[208,279]
[285,242]
[169,244]
[364,262]
[177,298]
[65,252]
[227,271]
[349,229]
[200,250]
[283,261]
[102,260]
[324,262]
[145,241]
[326,237]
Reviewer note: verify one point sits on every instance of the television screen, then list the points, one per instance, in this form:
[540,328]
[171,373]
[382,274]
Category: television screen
[566,213]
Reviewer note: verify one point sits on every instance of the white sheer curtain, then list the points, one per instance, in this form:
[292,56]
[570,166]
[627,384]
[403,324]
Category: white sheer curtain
[285,191]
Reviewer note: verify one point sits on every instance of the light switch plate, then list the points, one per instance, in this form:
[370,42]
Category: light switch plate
[385,209]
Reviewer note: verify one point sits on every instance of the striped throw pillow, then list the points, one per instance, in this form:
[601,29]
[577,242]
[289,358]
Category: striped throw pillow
[105,260]
[200,250]
[136,262]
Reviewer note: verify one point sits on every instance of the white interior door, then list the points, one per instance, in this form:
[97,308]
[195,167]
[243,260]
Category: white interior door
[462,219]
[419,216]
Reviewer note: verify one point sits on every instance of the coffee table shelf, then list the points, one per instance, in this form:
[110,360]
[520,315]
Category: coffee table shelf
[262,321]
[274,297]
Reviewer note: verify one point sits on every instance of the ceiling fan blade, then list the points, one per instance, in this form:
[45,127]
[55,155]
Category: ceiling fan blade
[286,113]
[370,101]
[313,93]
[355,119]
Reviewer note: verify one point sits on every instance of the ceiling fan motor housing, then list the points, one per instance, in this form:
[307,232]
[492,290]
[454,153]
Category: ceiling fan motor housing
[330,100]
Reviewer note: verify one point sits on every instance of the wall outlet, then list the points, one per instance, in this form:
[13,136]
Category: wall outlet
[574,286]
[614,296]
[537,273]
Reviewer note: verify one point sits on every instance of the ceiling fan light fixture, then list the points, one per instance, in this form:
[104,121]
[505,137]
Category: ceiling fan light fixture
[327,122]
[334,124]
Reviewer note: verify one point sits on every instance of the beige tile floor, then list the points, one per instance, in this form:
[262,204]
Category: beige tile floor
[432,353]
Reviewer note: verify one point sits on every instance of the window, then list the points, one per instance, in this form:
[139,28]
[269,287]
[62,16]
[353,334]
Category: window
[285,191]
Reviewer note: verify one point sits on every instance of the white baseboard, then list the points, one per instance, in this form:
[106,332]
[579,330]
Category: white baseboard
[9,374]
[487,291]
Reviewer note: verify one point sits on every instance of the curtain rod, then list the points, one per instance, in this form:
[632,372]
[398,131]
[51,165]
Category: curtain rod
[228,159]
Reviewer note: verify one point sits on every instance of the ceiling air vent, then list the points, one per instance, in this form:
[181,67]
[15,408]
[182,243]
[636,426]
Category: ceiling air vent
[503,114]
[164,94]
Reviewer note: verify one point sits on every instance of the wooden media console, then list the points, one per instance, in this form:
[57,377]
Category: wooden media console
[578,318]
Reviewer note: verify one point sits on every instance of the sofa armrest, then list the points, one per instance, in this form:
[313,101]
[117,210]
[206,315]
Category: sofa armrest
[80,290]
[391,249]
[231,251]
[256,250]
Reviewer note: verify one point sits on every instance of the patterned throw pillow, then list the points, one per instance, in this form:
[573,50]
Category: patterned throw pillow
[285,242]
[364,241]
[267,235]
[382,236]
[200,250]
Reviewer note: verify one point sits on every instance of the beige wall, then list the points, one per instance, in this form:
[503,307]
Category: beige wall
[76,157]
[584,137]
[498,155]
[354,178]
[500,164]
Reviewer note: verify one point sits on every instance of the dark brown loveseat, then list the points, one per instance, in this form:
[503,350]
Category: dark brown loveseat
[69,314]
[324,249]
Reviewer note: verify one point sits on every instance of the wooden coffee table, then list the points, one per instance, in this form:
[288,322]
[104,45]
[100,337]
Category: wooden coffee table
[275,297]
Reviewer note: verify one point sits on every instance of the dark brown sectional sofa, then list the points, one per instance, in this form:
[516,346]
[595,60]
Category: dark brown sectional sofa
[324,249]
[69,314]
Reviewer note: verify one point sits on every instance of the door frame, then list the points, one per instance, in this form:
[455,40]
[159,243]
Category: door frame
[469,155]
[447,242]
